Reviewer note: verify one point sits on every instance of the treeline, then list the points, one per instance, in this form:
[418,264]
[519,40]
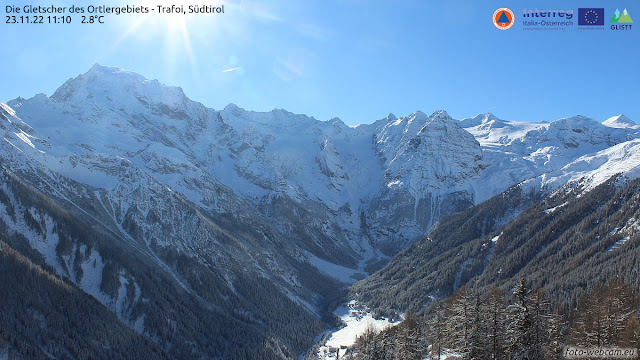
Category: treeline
[253,320]
[428,268]
[45,317]
[523,324]
[566,243]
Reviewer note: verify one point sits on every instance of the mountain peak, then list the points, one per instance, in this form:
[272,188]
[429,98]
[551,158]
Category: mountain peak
[336,121]
[420,117]
[97,68]
[113,84]
[100,72]
[489,116]
[440,114]
[418,114]
[575,122]
[487,119]
[619,121]
[232,107]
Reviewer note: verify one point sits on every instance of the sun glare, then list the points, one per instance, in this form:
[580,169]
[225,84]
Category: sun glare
[174,26]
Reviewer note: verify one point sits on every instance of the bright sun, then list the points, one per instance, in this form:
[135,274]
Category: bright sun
[175,25]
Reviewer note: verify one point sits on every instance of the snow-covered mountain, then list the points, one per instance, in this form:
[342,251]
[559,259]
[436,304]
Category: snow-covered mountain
[515,151]
[591,170]
[276,196]
[351,196]
[620,121]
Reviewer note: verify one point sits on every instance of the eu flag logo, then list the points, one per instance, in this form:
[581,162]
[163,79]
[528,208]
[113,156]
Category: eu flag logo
[590,16]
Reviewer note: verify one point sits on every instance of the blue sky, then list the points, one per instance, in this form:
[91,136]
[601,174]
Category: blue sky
[354,59]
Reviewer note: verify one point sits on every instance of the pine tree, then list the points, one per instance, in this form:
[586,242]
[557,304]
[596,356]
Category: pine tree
[436,326]
[366,344]
[519,324]
[544,327]
[408,342]
[495,322]
[459,322]
[479,348]
[607,317]
[373,345]
[385,350]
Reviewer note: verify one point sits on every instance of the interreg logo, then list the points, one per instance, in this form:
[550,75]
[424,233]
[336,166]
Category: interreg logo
[546,19]
[567,14]
[618,18]
[503,18]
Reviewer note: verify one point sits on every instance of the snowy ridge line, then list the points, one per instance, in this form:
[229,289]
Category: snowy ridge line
[591,170]
[362,193]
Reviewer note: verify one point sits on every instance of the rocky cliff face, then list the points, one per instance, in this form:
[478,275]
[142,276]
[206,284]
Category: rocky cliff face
[240,209]
[352,196]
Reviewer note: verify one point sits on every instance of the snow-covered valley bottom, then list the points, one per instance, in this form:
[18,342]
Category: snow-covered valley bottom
[357,319]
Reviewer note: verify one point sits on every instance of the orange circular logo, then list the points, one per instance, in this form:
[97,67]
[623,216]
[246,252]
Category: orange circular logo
[503,18]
